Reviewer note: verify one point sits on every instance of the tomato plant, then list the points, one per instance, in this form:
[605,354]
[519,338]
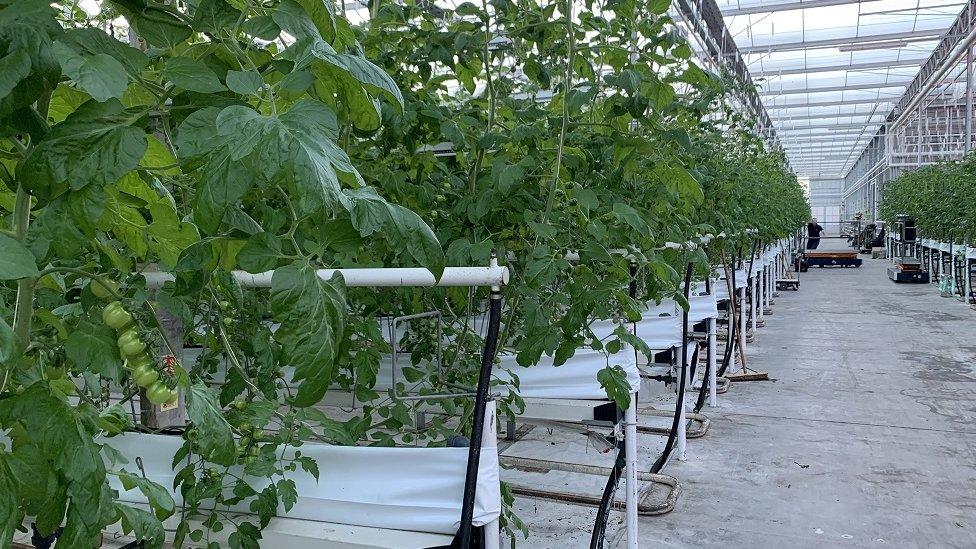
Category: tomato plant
[213,135]
[938,197]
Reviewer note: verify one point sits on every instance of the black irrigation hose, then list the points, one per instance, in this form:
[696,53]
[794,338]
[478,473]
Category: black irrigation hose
[680,402]
[466,534]
[703,391]
[733,324]
[606,499]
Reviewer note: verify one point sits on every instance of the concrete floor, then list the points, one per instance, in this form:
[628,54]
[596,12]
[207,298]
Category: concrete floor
[865,436]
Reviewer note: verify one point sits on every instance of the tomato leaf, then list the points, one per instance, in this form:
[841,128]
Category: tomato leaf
[9,344]
[260,254]
[312,314]
[10,514]
[216,442]
[295,149]
[159,497]
[92,347]
[16,261]
[147,528]
[168,235]
[95,145]
[125,222]
[58,433]
[244,82]
[613,379]
[101,75]
[370,213]
[191,75]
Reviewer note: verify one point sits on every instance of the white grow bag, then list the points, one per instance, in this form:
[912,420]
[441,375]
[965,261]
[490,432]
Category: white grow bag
[574,379]
[721,285]
[412,489]
[660,326]
[702,306]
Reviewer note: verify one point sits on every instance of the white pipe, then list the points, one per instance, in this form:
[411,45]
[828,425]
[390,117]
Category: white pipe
[712,362]
[374,277]
[630,446]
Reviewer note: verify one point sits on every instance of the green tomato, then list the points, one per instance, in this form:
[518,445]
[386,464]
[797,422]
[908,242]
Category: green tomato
[224,305]
[158,393]
[107,289]
[138,360]
[130,343]
[144,375]
[228,321]
[116,316]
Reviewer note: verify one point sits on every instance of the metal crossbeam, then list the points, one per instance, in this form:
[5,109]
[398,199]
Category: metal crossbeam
[821,147]
[822,116]
[851,126]
[841,87]
[845,154]
[803,105]
[883,40]
[705,19]
[769,7]
[767,70]
[961,28]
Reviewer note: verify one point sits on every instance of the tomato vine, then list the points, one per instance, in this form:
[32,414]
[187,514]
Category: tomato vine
[218,135]
[937,196]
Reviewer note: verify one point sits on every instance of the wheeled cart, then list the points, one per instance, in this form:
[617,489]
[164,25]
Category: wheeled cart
[833,259]
[908,270]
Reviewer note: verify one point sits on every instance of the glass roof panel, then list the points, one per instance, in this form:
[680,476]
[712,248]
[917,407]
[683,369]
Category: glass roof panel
[829,71]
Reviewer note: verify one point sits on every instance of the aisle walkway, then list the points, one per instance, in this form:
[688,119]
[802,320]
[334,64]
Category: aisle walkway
[865,437]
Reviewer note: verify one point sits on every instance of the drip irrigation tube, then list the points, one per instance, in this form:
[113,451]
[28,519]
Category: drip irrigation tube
[733,323]
[679,405]
[606,500]
[703,390]
[478,421]
[613,480]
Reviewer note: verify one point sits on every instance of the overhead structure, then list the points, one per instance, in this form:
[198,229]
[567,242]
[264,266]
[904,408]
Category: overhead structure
[830,71]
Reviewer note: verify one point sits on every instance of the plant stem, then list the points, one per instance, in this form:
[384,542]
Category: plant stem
[24,311]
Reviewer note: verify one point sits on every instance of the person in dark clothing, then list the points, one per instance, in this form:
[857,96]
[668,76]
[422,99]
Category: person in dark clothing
[813,234]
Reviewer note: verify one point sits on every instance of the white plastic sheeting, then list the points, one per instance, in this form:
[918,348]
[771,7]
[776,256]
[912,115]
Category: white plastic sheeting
[577,377]
[414,489]
[660,326]
[701,305]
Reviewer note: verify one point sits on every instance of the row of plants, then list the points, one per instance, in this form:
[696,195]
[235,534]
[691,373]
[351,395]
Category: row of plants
[938,197]
[218,135]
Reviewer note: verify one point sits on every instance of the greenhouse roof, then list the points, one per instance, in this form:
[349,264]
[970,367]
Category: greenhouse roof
[830,71]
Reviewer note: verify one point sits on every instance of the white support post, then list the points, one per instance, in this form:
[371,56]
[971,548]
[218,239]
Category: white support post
[489,441]
[967,274]
[682,417]
[759,295]
[712,362]
[630,446]
[742,319]
[753,306]
[766,293]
